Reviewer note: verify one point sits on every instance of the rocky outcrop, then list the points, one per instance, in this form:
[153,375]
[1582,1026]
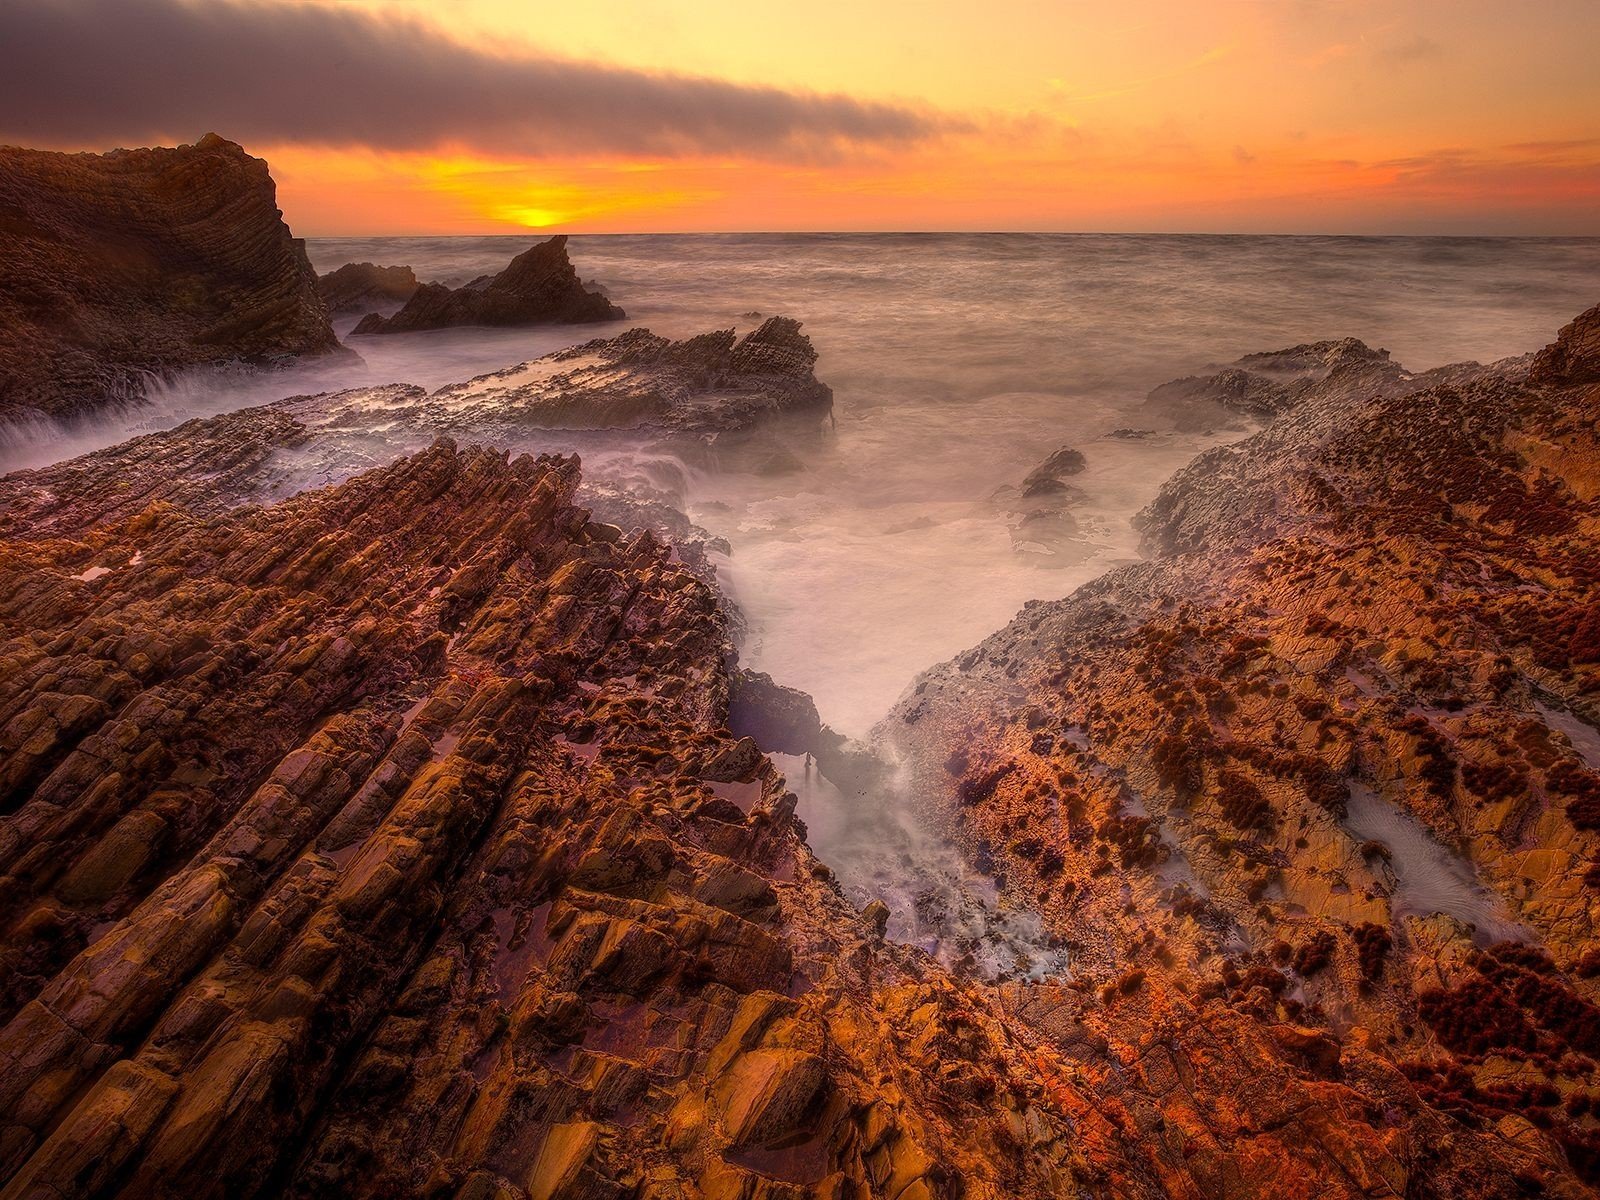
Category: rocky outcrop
[361,287]
[120,266]
[1315,795]
[1574,357]
[714,385]
[391,840]
[540,286]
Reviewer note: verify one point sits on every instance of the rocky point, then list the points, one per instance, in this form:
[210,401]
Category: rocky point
[384,812]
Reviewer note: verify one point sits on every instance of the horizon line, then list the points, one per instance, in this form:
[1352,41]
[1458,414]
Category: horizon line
[1195,233]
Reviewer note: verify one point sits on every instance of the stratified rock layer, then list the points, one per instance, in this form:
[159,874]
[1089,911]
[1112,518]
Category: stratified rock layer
[390,840]
[1316,793]
[540,286]
[114,267]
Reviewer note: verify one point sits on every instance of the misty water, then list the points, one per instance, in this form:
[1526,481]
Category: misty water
[958,363]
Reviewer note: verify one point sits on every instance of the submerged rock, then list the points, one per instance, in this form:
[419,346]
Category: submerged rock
[135,263]
[1046,478]
[539,286]
[358,287]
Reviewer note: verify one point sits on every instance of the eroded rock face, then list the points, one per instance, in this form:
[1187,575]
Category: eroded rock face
[390,840]
[400,837]
[540,286]
[1315,795]
[712,398]
[361,287]
[117,266]
[1574,357]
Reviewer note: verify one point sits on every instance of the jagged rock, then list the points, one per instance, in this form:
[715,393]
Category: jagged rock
[397,838]
[362,843]
[359,287]
[117,266]
[709,386]
[539,286]
[1574,357]
[1323,785]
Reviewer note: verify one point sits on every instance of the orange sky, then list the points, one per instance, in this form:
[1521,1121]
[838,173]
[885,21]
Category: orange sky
[1467,116]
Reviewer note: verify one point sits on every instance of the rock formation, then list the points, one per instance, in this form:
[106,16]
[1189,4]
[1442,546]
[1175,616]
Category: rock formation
[118,266]
[361,287]
[1315,793]
[403,837]
[1047,478]
[540,286]
[390,840]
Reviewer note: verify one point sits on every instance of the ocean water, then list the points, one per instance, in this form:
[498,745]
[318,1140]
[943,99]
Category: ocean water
[958,363]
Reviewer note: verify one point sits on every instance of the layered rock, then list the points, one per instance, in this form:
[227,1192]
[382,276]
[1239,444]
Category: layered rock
[404,836]
[362,287]
[539,286]
[390,840]
[1315,794]
[119,266]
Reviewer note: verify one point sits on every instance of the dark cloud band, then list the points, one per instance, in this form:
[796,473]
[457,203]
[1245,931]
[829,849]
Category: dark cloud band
[97,72]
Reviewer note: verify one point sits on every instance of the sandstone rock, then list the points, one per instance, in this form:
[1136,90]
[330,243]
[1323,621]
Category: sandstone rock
[140,262]
[1304,770]
[539,285]
[356,843]
[1574,357]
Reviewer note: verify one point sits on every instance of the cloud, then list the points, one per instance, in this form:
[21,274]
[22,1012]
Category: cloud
[97,72]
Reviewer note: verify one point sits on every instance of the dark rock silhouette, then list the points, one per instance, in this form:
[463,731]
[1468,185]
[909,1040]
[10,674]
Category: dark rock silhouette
[357,287]
[540,286]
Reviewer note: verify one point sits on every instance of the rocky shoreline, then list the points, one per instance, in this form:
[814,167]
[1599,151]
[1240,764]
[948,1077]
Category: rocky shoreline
[1318,782]
[385,811]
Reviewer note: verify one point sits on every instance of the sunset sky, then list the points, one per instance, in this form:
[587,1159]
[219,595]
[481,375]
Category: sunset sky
[493,116]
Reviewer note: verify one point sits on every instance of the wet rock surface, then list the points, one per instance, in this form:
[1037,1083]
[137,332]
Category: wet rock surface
[1258,387]
[713,399]
[119,266]
[539,286]
[1313,794]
